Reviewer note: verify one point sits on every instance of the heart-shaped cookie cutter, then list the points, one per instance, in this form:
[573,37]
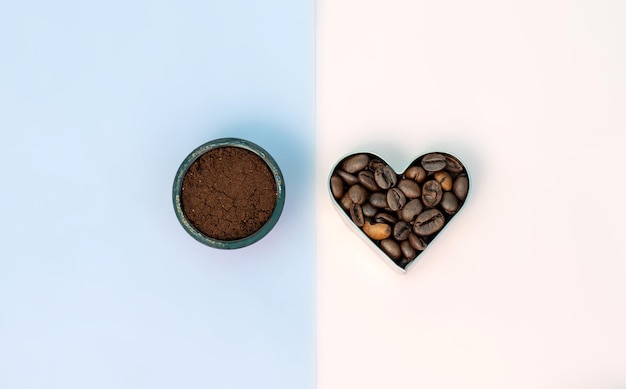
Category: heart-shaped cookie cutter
[375,245]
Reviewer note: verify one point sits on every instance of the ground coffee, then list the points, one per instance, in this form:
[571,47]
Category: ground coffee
[228,193]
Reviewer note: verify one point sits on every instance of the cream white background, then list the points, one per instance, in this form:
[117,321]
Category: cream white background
[526,288]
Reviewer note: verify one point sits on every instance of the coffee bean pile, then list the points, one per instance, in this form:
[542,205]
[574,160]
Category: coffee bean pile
[400,213]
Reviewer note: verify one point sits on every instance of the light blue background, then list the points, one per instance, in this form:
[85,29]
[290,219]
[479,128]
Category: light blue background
[100,287]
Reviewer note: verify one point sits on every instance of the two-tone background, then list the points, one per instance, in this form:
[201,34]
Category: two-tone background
[100,102]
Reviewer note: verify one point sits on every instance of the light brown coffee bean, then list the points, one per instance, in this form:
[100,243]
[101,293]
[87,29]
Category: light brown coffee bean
[377,231]
[444,179]
[416,173]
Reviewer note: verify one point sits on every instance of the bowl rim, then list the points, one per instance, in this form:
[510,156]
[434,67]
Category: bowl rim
[203,149]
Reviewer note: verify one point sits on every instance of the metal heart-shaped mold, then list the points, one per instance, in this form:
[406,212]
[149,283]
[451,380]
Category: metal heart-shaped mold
[399,214]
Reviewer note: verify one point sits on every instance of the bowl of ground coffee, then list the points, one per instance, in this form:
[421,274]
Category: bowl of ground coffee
[228,193]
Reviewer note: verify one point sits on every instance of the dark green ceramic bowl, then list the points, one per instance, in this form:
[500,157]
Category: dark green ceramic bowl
[228,244]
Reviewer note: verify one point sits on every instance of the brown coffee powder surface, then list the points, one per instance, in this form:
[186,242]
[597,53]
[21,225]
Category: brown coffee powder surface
[228,193]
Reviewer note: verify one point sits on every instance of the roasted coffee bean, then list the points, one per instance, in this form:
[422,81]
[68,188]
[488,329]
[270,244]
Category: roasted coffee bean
[410,188]
[357,194]
[369,210]
[453,165]
[348,178]
[401,230]
[403,261]
[356,213]
[407,250]
[336,186]
[395,199]
[411,210]
[411,172]
[433,162]
[461,186]
[431,193]
[366,178]
[417,242]
[355,163]
[416,173]
[384,217]
[377,231]
[428,222]
[391,248]
[378,200]
[444,179]
[375,164]
[449,203]
[345,202]
[385,177]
